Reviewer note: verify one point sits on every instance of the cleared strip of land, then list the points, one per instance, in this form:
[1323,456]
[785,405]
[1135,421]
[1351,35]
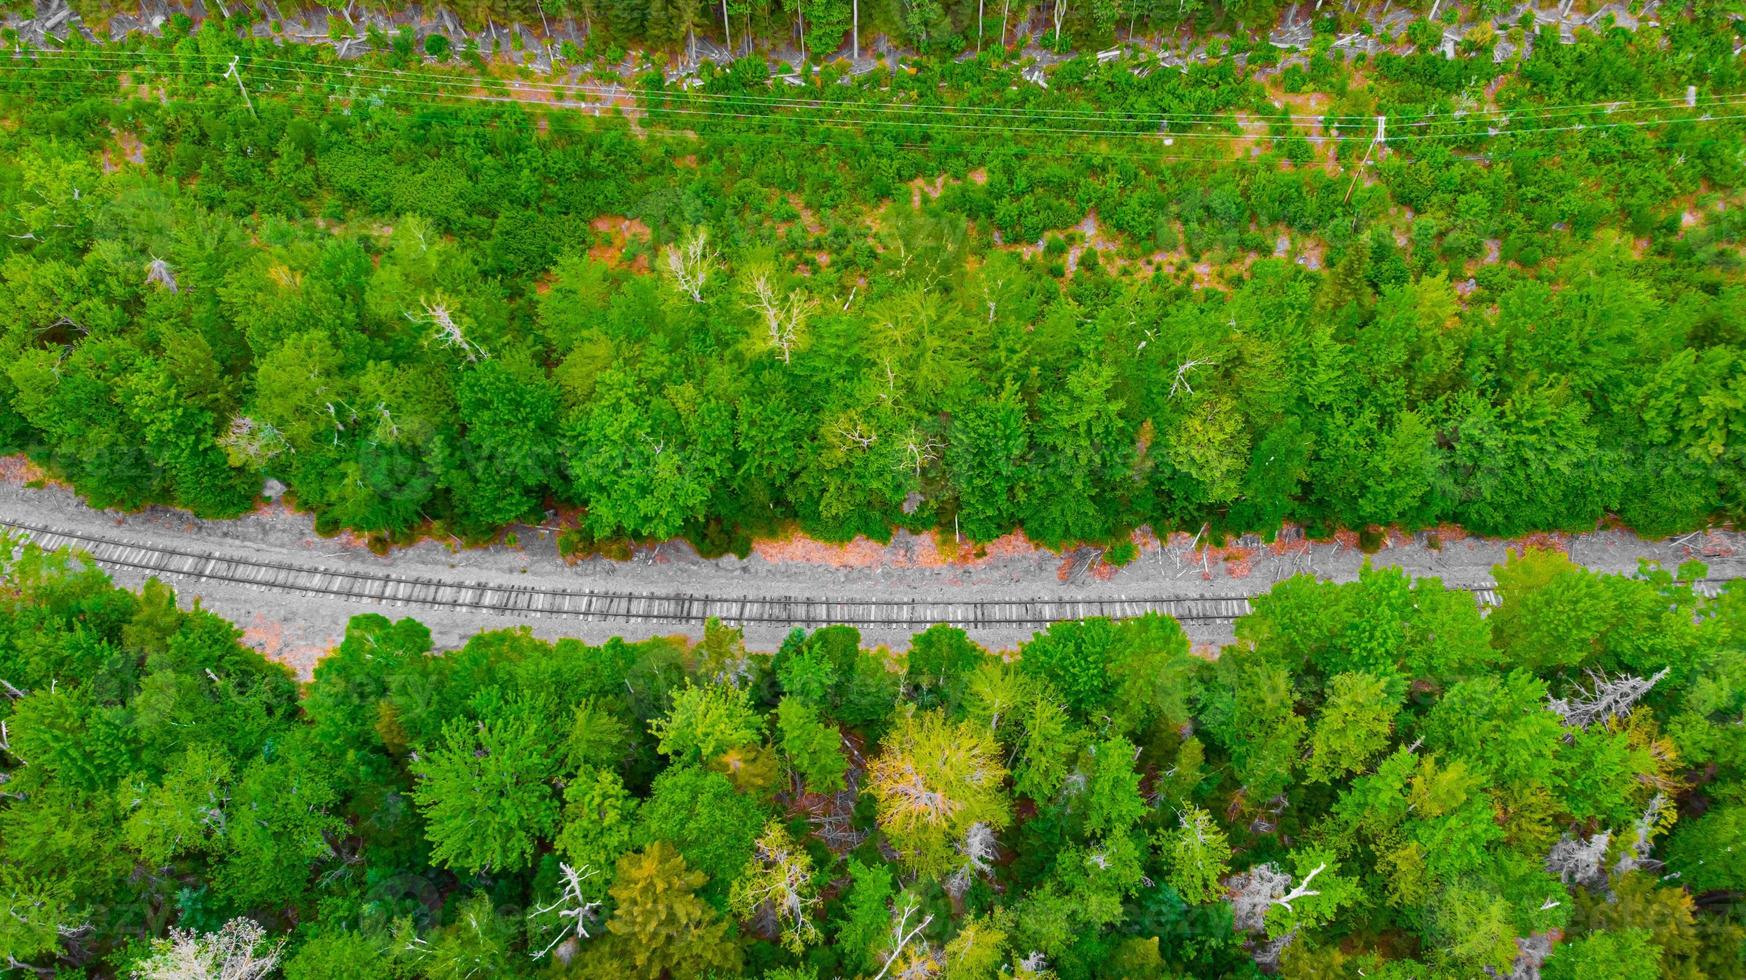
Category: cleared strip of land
[294,591]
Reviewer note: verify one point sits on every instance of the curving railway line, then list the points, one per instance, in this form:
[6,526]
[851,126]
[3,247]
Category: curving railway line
[548,601]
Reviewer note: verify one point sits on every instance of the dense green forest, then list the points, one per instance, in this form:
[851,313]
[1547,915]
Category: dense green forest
[441,298]
[1375,780]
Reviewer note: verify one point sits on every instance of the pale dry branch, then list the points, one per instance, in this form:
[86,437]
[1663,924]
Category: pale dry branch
[902,939]
[976,853]
[784,317]
[254,441]
[855,436]
[919,450]
[237,951]
[158,271]
[1180,383]
[446,332]
[573,908]
[1610,698]
[690,263]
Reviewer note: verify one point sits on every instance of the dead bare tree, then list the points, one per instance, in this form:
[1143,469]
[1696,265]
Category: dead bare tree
[1180,383]
[445,331]
[784,317]
[1580,861]
[833,821]
[238,951]
[690,263]
[1255,891]
[900,940]
[254,441]
[919,450]
[976,853]
[782,891]
[1610,698]
[1531,954]
[573,908]
[158,271]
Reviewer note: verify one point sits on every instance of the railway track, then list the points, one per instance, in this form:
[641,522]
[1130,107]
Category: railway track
[385,588]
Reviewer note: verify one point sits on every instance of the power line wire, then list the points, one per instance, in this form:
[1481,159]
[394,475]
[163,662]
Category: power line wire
[935,125]
[432,79]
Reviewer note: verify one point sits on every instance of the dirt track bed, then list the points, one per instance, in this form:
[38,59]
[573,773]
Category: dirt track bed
[293,591]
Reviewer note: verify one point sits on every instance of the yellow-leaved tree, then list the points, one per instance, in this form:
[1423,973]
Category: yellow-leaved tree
[937,785]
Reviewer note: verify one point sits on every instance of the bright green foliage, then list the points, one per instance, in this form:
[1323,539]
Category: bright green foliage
[1354,725]
[597,737]
[1197,856]
[1074,658]
[184,813]
[37,910]
[712,825]
[476,943]
[704,722]
[280,823]
[436,309]
[862,928]
[485,790]
[1250,710]
[1296,804]
[1622,955]
[1110,800]
[812,748]
[599,815]
[1048,748]
[1711,850]
[938,665]
[59,735]
[338,954]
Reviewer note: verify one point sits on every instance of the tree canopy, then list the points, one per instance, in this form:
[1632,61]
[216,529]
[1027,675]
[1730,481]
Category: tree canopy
[1357,783]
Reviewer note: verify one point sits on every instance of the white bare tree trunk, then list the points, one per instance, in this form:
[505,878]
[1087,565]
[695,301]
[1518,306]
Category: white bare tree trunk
[690,263]
[573,908]
[1611,698]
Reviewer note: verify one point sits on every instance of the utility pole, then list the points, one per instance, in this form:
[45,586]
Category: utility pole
[1375,141]
[979,26]
[231,72]
[854,30]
